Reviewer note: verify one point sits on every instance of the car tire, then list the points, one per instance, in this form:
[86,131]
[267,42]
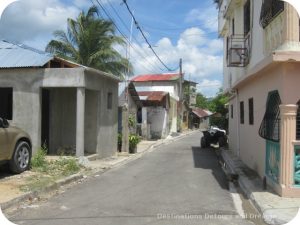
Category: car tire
[20,160]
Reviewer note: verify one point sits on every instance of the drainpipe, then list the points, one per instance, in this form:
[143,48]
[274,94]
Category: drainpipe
[237,100]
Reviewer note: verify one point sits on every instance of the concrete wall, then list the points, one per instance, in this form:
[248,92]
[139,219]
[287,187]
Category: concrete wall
[158,119]
[172,87]
[107,126]
[91,121]
[26,100]
[244,139]
[62,119]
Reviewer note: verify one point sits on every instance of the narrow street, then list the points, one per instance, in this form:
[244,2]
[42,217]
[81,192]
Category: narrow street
[178,183]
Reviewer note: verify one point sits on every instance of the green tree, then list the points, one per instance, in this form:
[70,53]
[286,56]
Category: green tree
[201,101]
[217,105]
[90,41]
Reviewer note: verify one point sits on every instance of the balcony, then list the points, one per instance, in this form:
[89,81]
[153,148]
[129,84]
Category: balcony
[238,50]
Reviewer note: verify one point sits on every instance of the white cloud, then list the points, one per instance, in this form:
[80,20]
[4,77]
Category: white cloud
[209,87]
[202,57]
[30,20]
[207,17]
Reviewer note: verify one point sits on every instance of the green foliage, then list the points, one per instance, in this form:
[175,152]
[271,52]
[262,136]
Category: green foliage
[131,121]
[38,160]
[66,166]
[133,140]
[90,41]
[119,138]
[216,105]
[201,101]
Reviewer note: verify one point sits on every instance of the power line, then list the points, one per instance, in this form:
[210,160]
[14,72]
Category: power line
[133,47]
[124,36]
[144,36]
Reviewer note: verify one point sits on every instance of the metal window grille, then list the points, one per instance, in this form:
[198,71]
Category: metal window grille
[269,10]
[270,125]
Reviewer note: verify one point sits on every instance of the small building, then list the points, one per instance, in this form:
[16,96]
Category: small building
[168,82]
[59,103]
[201,118]
[156,105]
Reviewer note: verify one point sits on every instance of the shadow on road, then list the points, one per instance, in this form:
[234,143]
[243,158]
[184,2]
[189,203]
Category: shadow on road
[206,158]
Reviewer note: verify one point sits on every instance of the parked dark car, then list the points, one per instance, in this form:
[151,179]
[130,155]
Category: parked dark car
[214,135]
[15,147]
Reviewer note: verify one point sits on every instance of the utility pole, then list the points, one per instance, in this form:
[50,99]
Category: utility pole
[179,112]
[126,107]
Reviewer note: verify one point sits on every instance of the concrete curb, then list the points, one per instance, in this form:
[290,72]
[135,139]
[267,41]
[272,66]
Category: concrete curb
[36,194]
[272,216]
[75,177]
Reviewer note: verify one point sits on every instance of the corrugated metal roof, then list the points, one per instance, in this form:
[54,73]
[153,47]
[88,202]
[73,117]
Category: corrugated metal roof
[152,95]
[201,112]
[156,77]
[17,56]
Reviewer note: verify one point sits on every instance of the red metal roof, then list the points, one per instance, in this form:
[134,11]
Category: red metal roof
[156,77]
[153,95]
[201,112]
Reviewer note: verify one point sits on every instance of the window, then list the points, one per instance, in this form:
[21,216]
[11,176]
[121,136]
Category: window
[109,100]
[270,126]
[247,18]
[231,111]
[242,112]
[6,103]
[251,116]
[269,10]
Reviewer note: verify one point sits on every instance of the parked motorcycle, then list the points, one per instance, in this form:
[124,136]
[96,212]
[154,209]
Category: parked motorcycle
[214,135]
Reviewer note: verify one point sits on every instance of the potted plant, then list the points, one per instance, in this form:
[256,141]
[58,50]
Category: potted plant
[133,141]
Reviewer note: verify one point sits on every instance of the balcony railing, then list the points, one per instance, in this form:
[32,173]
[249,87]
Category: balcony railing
[238,50]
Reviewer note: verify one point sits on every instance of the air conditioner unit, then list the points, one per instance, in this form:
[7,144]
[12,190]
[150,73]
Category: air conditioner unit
[236,54]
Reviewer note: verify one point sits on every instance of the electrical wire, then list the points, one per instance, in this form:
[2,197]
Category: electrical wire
[124,36]
[144,36]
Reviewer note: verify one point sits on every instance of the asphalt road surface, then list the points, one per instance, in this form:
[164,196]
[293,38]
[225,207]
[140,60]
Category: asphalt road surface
[178,183]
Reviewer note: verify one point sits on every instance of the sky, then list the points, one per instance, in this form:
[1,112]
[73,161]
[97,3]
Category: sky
[175,29]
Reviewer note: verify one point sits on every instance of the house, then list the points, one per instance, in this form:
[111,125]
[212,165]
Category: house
[261,75]
[200,118]
[59,103]
[156,105]
[169,82]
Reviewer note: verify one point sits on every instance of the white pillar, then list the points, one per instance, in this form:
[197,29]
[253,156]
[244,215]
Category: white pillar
[80,115]
[287,135]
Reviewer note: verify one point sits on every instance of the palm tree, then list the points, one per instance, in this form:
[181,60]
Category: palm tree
[90,41]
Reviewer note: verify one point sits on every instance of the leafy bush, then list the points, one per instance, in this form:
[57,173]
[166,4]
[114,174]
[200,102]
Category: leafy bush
[39,159]
[133,140]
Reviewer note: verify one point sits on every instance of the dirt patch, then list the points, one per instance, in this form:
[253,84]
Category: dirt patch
[10,185]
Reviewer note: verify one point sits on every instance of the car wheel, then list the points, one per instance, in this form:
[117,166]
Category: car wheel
[21,158]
